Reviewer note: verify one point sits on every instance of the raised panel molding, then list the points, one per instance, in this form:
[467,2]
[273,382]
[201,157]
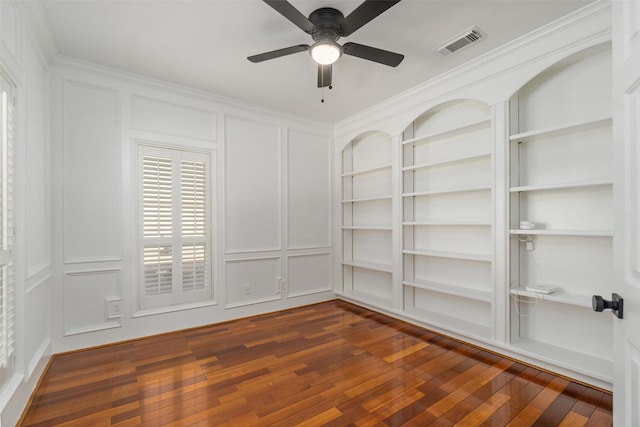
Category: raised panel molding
[37,177]
[308,274]
[32,284]
[252,281]
[36,335]
[172,119]
[91,141]
[84,293]
[92,260]
[308,190]
[253,186]
[633,226]
[632,366]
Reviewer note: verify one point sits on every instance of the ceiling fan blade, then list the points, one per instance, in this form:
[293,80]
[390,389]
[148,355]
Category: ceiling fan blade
[324,75]
[278,53]
[287,10]
[363,14]
[372,54]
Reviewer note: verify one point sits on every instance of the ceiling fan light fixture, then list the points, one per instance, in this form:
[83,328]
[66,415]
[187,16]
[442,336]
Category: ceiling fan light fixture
[325,52]
[326,26]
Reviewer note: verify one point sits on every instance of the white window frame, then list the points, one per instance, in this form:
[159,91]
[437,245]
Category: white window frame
[177,241]
[7,222]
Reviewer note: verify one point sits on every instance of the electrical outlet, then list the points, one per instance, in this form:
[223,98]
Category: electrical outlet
[113,307]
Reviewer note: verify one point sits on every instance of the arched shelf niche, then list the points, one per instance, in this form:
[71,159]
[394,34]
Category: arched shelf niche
[561,178]
[367,218]
[448,218]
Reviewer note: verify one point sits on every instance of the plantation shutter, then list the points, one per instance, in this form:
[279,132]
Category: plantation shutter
[157,225]
[175,236]
[193,177]
[7,233]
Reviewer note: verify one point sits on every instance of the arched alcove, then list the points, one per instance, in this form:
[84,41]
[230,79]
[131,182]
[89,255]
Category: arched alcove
[576,89]
[448,217]
[447,116]
[561,167]
[366,217]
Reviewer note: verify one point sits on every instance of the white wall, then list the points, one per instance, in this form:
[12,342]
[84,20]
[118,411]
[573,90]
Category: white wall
[271,203]
[24,59]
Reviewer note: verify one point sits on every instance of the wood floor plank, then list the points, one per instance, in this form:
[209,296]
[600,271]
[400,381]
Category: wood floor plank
[333,364]
[573,420]
[520,393]
[483,411]
[600,418]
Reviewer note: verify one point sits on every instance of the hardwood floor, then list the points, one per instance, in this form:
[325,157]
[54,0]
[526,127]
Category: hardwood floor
[331,364]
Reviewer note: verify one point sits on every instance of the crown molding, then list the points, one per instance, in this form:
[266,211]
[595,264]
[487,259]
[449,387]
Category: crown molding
[38,29]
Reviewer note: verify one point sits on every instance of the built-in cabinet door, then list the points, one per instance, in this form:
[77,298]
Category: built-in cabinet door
[626,60]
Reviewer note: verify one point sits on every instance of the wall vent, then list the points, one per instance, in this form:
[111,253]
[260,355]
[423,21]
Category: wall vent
[462,40]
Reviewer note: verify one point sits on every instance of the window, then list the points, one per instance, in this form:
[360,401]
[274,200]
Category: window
[175,224]
[7,235]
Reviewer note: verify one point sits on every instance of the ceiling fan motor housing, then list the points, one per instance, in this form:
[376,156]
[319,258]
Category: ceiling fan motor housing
[327,21]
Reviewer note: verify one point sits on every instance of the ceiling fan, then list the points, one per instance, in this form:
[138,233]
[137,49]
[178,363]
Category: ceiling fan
[326,25]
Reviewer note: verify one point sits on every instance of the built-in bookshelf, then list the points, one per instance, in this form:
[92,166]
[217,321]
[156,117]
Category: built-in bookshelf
[561,179]
[366,218]
[436,219]
[447,218]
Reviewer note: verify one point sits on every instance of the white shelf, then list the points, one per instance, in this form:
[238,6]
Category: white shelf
[452,324]
[366,298]
[385,268]
[366,228]
[569,359]
[368,171]
[562,186]
[561,130]
[448,191]
[542,232]
[557,296]
[468,127]
[367,199]
[452,255]
[451,289]
[448,223]
[461,160]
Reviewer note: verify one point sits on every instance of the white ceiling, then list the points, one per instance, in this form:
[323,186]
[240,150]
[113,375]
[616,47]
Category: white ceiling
[204,45]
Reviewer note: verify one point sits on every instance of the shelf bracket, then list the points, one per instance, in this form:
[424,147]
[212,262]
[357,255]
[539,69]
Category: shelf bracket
[528,240]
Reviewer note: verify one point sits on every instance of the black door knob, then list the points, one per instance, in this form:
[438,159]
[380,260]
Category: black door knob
[615,305]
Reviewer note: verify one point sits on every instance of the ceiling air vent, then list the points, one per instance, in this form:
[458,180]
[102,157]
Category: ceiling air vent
[460,41]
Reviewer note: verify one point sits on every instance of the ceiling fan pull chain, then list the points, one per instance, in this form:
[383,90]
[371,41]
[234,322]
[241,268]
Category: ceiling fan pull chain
[322,84]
